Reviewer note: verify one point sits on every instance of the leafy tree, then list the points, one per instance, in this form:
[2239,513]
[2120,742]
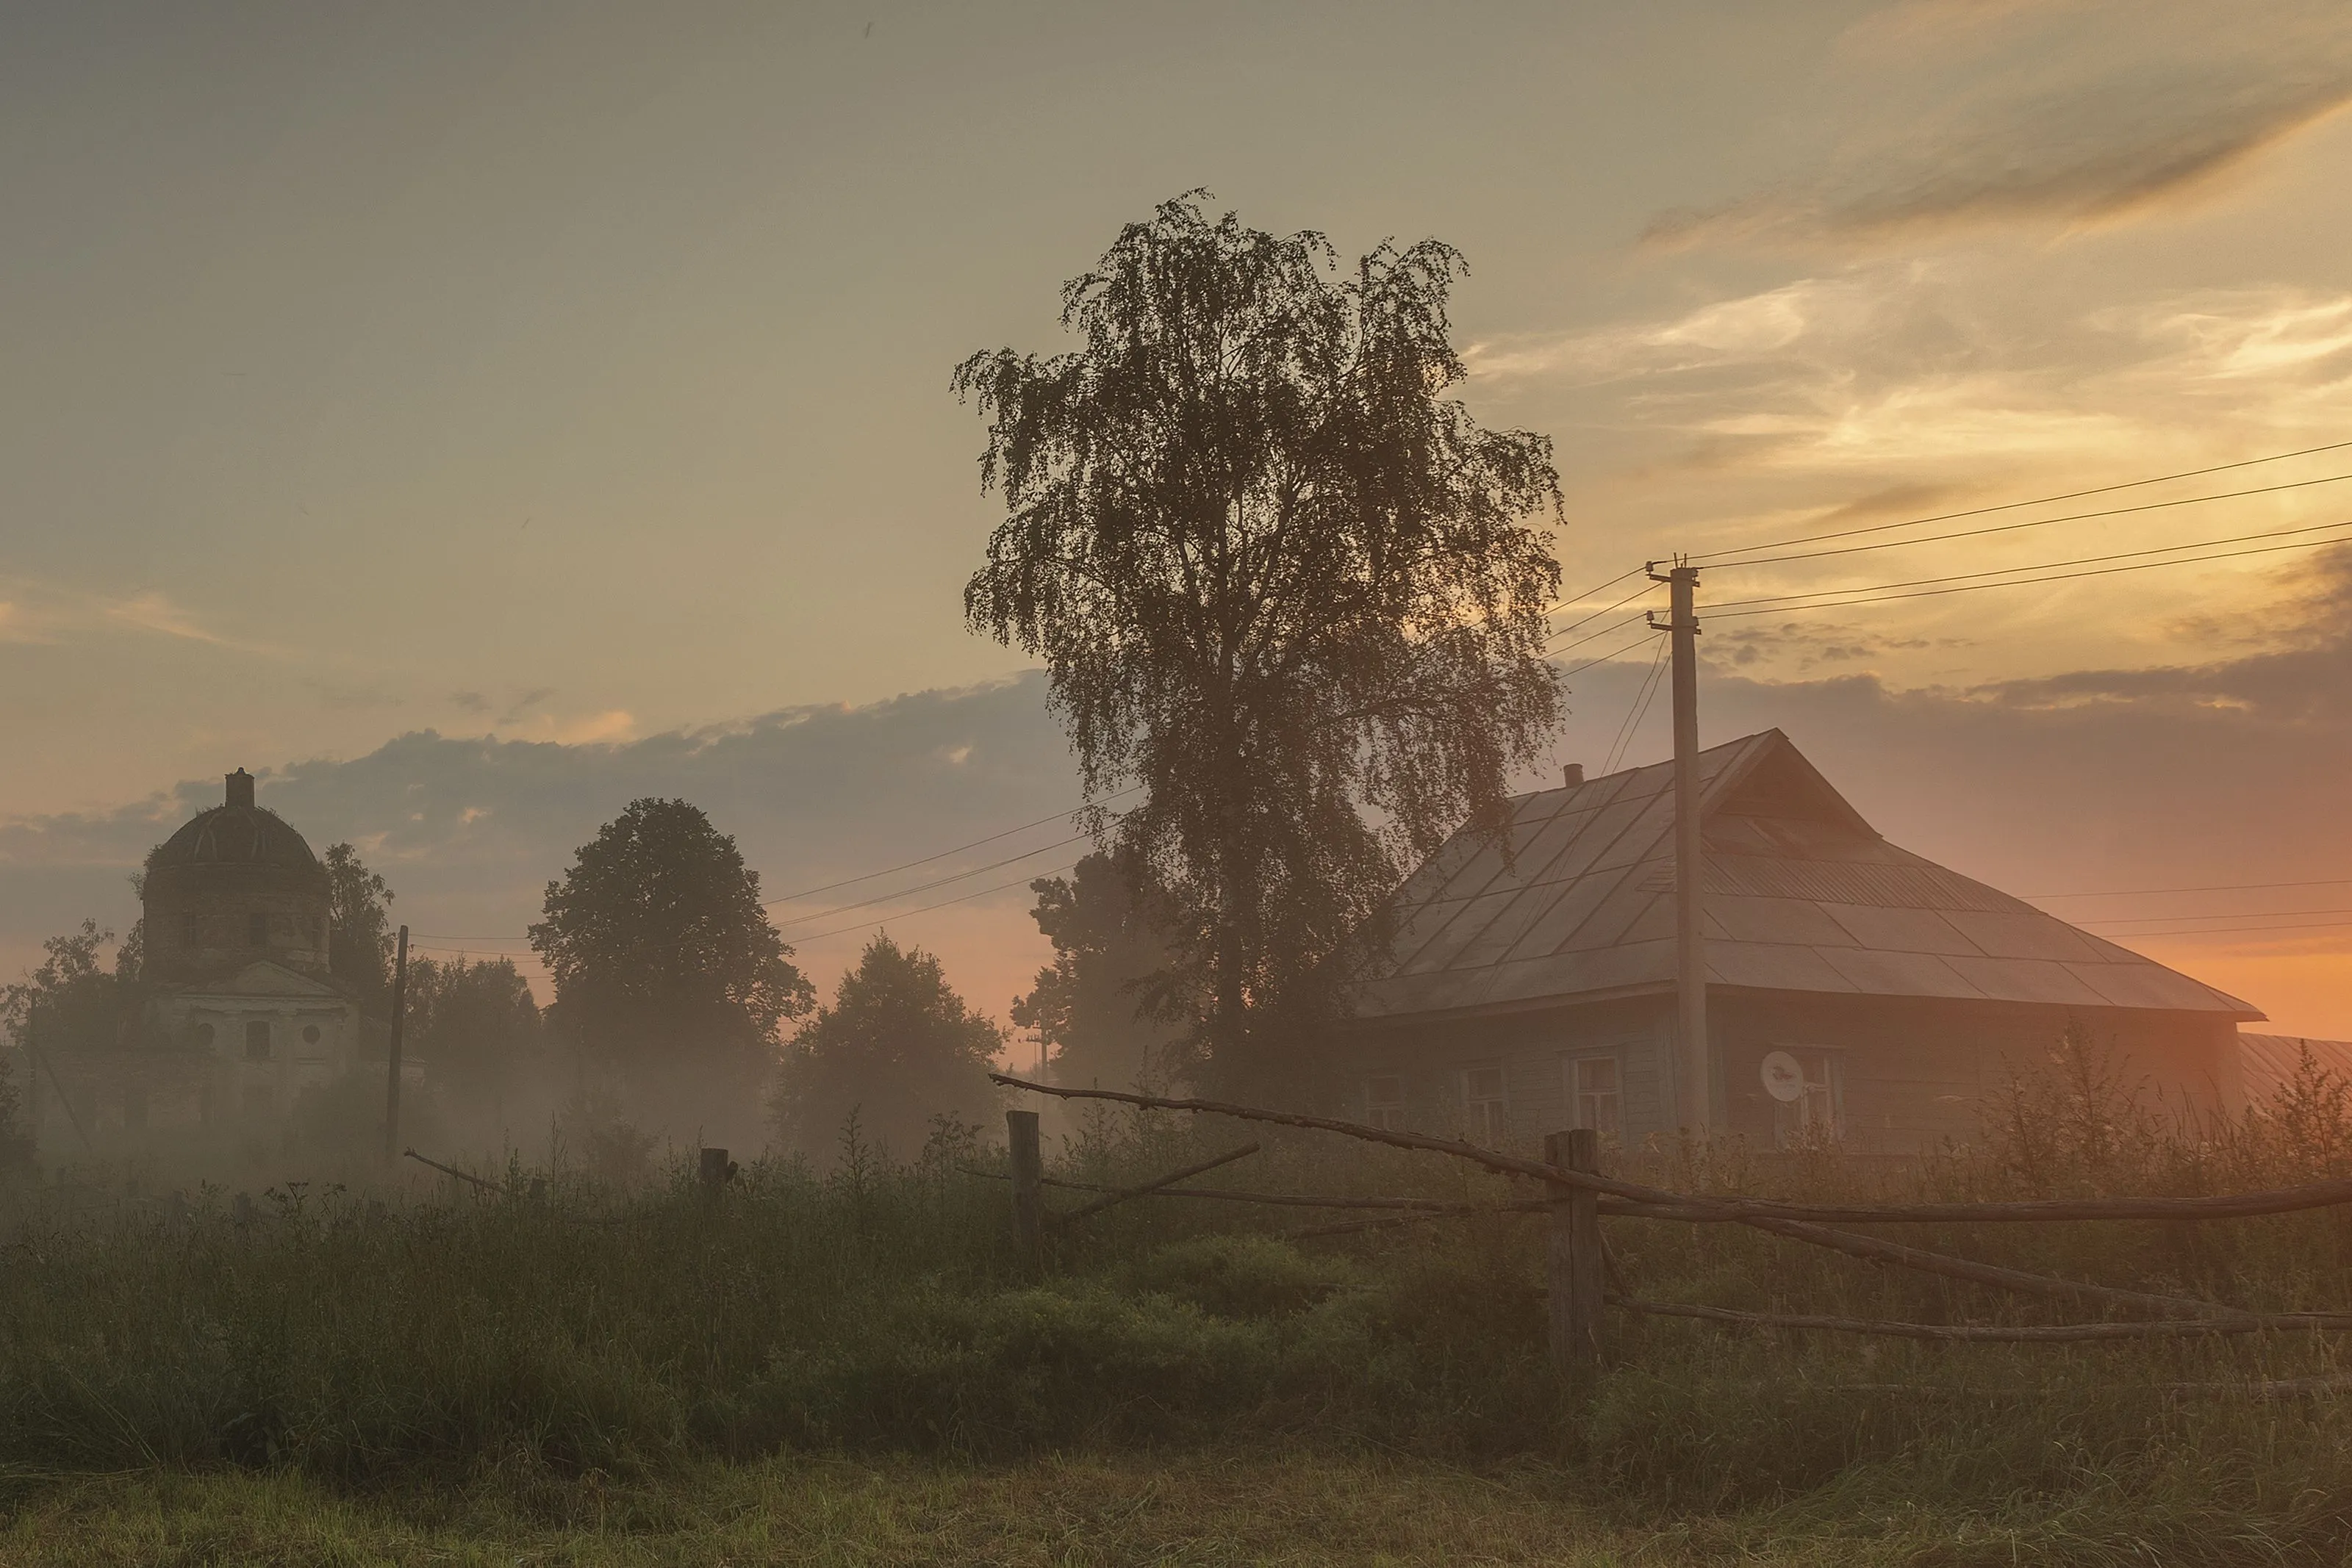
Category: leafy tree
[82,1007]
[1101,1008]
[476,1023]
[664,957]
[79,1001]
[1277,579]
[896,1050]
[359,929]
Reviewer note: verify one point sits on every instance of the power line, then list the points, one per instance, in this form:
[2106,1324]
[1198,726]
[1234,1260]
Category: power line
[1613,626]
[1578,669]
[1645,588]
[2216,930]
[2214,887]
[1560,604]
[2206,914]
[2013,506]
[1638,710]
[926,909]
[937,882]
[927,860]
[1779,608]
[2035,523]
[2047,565]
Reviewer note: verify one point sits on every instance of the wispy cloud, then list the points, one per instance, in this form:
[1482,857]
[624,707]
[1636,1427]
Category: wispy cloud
[2151,105]
[40,611]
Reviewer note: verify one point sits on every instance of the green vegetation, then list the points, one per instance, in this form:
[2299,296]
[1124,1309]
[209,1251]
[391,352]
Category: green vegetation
[500,1368]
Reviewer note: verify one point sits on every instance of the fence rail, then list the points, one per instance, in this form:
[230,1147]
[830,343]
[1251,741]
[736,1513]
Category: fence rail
[1579,1271]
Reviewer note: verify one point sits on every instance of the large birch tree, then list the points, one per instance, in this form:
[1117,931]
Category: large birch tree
[1281,581]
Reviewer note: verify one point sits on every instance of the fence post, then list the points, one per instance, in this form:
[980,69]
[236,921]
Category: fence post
[1572,1258]
[1028,1188]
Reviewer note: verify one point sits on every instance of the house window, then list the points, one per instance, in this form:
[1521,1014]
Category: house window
[191,929]
[1483,1105]
[1595,1097]
[256,930]
[257,1040]
[1384,1102]
[1817,1116]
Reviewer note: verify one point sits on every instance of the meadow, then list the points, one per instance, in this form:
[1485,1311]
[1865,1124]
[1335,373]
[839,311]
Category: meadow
[851,1365]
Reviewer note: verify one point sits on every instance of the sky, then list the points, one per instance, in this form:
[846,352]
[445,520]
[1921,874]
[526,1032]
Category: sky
[470,417]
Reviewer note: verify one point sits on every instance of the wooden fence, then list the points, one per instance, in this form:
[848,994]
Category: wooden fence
[1578,1275]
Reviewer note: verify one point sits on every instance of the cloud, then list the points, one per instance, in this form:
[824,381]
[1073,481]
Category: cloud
[524,703]
[470,830]
[2088,114]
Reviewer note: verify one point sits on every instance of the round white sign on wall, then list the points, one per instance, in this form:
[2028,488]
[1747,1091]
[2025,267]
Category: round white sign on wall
[1783,1078]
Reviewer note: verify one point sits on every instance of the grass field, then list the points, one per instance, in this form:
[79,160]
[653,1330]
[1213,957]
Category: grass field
[1253,1508]
[849,1365]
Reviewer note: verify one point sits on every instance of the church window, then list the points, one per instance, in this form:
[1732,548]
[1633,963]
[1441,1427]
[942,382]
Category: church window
[204,1035]
[191,929]
[257,1040]
[256,930]
[310,1034]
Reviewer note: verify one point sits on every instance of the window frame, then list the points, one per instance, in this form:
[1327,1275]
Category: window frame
[1384,1112]
[257,1033]
[1487,1118]
[1572,1065]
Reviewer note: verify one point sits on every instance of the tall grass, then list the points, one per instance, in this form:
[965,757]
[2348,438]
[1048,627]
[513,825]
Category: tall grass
[561,1326]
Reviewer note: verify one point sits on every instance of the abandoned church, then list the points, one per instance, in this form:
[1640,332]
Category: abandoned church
[239,1018]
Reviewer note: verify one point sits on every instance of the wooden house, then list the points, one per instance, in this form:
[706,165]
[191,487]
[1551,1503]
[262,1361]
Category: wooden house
[1855,991]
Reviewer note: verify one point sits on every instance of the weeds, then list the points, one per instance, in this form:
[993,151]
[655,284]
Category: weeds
[572,1329]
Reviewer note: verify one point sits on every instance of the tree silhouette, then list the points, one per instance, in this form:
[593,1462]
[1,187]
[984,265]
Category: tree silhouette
[663,959]
[1276,579]
[1101,1008]
[896,1048]
[359,935]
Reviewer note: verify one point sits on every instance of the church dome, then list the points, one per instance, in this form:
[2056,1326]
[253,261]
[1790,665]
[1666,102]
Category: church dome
[236,883]
[236,835]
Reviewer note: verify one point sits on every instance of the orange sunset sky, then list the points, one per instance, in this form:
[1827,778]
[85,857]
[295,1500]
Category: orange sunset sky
[470,417]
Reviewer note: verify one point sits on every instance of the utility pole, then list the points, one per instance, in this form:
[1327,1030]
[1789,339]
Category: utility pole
[391,1076]
[1694,1065]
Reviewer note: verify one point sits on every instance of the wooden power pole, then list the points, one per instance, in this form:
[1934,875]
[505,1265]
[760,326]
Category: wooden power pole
[391,1075]
[1694,1064]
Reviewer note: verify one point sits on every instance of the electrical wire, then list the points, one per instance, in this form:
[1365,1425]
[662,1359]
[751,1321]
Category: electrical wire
[2013,506]
[926,909]
[1779,607]
[928,886]
[1613,626]
[2047,565]
[927,860]
[2214,887]
[2206,914]
[2216,930]
[2035,523]
[1645,588]
[1638,710]
[1578,669]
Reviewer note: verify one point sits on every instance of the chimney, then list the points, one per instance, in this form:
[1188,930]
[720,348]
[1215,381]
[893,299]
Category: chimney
[240,788]
[1571,775]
